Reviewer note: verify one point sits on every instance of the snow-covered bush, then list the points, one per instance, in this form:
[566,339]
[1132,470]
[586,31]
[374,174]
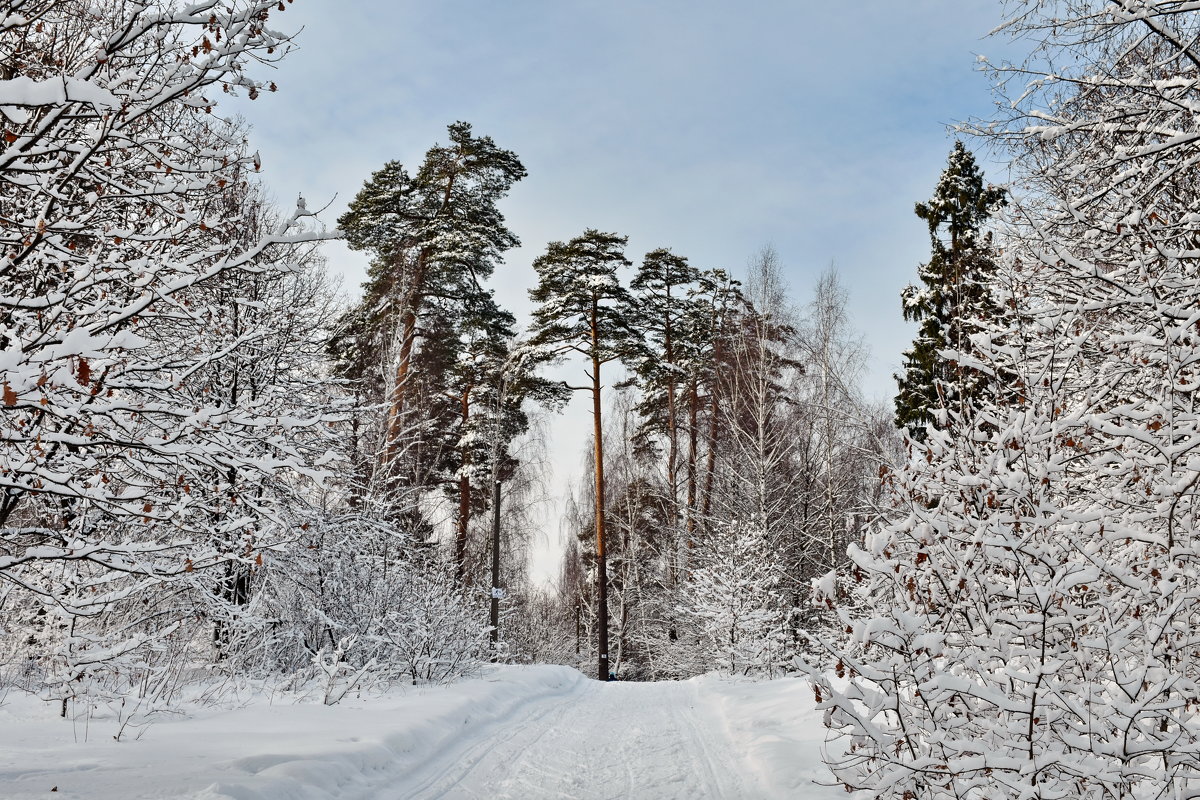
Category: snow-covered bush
[129,488]
[1034,603]
[536,628]
[357,596]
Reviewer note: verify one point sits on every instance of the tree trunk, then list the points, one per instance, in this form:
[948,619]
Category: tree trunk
[693,447]
[464,499]
[672,421]
[601,559]
[494,609]
[714,435]
[408,335]
[408,332]
[673,449]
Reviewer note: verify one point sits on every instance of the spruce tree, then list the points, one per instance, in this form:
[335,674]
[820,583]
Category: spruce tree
[583,309]
[953,299]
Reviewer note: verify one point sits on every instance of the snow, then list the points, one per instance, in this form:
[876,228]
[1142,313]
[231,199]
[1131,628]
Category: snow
[25,91]
[778,731]
[514,732]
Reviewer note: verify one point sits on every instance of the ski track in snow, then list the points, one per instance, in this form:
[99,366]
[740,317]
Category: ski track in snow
[602,742]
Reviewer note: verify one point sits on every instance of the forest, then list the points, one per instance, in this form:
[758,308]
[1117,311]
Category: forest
[216,470]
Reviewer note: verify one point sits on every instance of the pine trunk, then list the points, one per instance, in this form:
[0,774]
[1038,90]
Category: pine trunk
[714,432]
[494,608]
[672,425]
[693,456]
[408,336]
[601,560]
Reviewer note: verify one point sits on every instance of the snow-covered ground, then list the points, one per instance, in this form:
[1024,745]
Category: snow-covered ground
[516,732]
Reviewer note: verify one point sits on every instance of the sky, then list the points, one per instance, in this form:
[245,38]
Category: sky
[713,128]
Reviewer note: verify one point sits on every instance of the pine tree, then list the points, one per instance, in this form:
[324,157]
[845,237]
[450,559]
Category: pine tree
[583,309]
[511,381]
[433,237]
[483,348]
[664,309]
[954,293]
[716,304]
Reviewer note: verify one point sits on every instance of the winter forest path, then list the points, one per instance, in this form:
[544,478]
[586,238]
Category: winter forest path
[616,741]
[518,732]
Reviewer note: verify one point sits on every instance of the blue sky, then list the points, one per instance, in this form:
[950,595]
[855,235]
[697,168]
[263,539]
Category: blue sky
[713,128]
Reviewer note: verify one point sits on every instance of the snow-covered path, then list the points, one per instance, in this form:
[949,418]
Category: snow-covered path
[515,732]
[610,741]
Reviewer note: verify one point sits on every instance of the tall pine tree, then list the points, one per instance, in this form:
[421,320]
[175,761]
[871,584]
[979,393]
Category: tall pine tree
[583,309]
[433,237]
